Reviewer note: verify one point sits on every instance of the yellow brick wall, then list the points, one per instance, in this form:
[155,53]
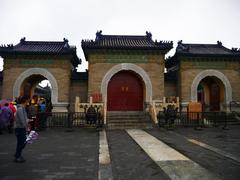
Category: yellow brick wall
[170,88]
[78,88]
[188,73]
[60,69]
[154,68]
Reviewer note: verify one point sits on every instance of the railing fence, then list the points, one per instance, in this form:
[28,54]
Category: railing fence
[66,120]
[197,119]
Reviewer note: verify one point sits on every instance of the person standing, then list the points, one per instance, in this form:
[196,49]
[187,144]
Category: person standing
[20,129]
[12,118]
[32,113]
[1,121]
[6,115]
[42,116]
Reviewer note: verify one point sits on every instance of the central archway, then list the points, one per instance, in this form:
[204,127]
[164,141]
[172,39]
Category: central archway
[32,72]
[128,67]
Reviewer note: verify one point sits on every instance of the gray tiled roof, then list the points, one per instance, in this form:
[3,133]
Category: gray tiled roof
[125,42]
[201,50]
[41,47]
[38,46]
[204,49]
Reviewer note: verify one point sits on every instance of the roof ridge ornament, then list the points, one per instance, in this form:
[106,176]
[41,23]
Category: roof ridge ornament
[149,35]
[179,42]
[6,46]
[235,49]
[182,47]
[66,45]
[23,39]
[98,34]
[65,40]
[219,43]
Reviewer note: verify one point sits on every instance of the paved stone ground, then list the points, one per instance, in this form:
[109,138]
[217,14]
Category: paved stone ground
[74,155]
[227,140]
[224,167]
[55,155]
[129,161]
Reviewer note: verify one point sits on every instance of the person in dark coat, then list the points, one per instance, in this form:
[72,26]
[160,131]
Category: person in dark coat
[21,128]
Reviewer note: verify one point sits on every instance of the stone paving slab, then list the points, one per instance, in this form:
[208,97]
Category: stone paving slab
[226,140]
[224,167]
[129,161]
[75,155]
[176,165]
[105,167]
[55,155]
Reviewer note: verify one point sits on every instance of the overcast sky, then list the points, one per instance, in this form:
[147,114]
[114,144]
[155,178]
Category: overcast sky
[193,21]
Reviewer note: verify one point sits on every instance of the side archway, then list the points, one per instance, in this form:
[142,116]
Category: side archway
[213,73]
[36,71]
[128,66]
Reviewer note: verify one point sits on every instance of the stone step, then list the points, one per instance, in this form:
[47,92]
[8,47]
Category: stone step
[128,120]
[125,117]
[129,124]
[125,112]
[134,126]
[133,122]
[128,113]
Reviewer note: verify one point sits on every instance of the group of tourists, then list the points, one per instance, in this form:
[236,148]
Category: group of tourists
[35,109]
[24,115]
[7,116]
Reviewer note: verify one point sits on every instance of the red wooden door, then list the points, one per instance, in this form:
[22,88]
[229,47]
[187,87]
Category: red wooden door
[214,97]
[125,92]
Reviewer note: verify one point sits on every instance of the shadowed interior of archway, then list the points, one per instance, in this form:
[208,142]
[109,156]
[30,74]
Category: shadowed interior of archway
[36,85]
[211,93]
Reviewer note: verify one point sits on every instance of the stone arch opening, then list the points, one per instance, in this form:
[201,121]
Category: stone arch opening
[31,78]
[212,79]
[31,86]
[210,93]
[147,85]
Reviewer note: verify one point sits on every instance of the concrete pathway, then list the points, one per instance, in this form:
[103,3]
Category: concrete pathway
[216,150]
[176,165]
[120,154]
[55,155]
[105,168]
[222,166]
[129,161]
[226,140]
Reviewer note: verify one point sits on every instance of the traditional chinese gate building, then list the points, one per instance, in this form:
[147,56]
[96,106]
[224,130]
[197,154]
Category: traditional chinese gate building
[125,72]
[207,73]
[29,62]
